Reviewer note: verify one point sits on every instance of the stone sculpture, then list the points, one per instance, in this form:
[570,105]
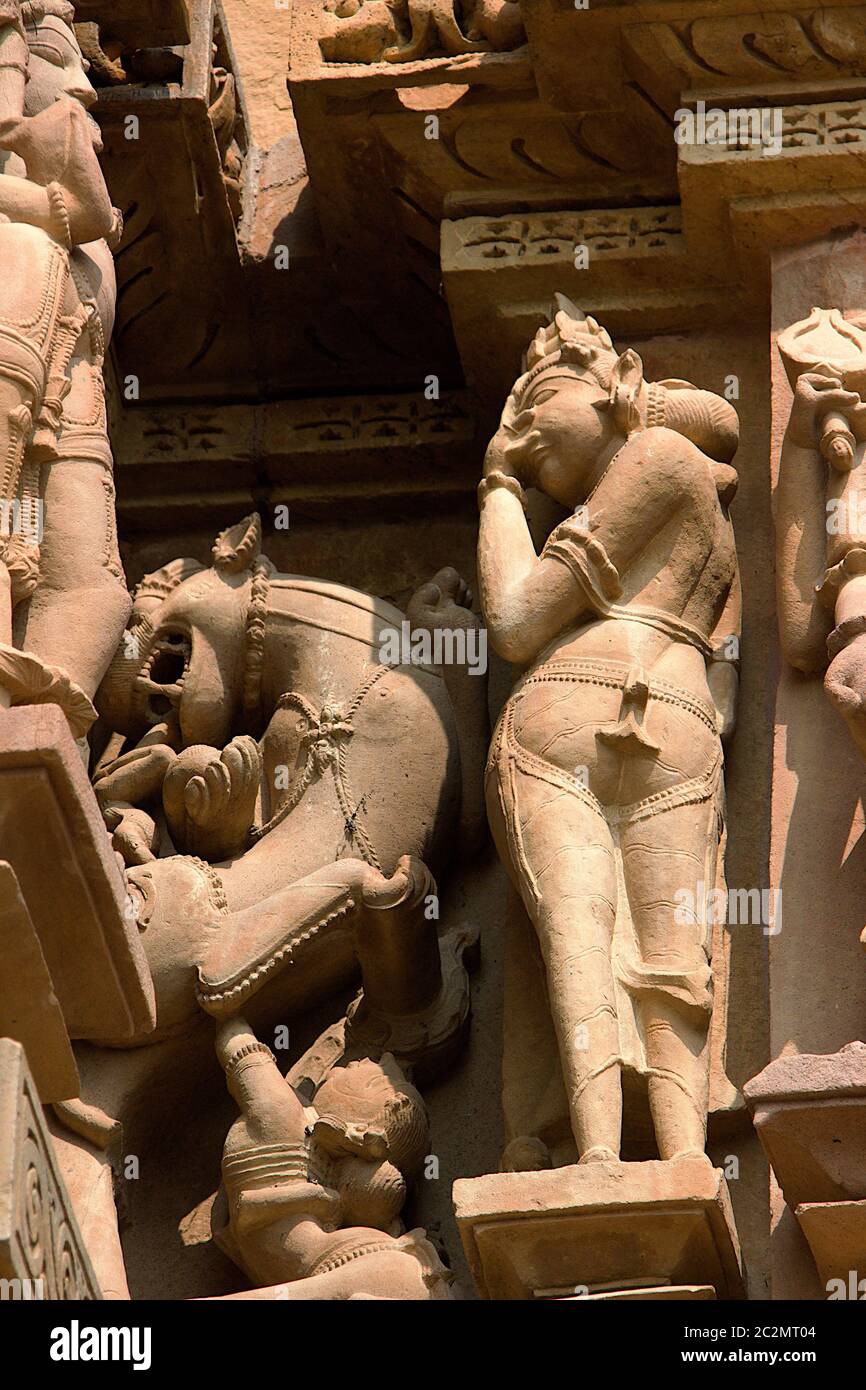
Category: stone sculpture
[604,783]
[312,1194]
[323,826]
[370,31]
[61,568]
[820,521]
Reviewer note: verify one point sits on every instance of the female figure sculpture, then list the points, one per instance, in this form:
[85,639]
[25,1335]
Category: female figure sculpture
[57,299]
[604,782]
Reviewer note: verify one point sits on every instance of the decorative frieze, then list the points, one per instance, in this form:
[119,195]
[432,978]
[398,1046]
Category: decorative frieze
[42,1254]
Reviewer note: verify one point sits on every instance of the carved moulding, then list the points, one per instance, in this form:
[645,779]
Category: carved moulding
[741,201]
[181,323]
[41,1249]
[634,263]
[315,452]
[786,49]
[810,1116]
[794,51]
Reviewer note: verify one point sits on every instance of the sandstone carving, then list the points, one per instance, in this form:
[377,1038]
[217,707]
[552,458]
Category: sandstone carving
[820,535]
[62,570]
[310,990]
[313,1194]
[371,31]
[604,787]
[208,817]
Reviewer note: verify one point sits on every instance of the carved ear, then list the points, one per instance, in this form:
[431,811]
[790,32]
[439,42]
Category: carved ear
[238,547]
[626,379]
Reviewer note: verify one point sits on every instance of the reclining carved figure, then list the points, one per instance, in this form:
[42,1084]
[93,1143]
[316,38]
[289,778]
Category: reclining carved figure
[309,844]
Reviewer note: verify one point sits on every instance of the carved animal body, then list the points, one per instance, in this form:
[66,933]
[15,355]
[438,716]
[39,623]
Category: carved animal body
[280,840]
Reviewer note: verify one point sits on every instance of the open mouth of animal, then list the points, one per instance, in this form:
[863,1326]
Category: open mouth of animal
[161,680]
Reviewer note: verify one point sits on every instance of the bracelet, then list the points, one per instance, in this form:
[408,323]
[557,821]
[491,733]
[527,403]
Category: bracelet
[845,633]
[497,479]
[254,1049]
[57,203]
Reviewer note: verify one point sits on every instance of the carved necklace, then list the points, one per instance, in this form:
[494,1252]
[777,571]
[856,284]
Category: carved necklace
[254,640]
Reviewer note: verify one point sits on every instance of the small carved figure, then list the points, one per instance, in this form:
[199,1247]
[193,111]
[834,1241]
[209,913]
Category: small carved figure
[312,1195]
[820,516]
[605,790]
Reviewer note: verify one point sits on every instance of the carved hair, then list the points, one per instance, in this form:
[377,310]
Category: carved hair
[375,1101]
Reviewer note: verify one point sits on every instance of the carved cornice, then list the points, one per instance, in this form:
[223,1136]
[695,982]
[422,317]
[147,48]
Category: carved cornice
[363,449]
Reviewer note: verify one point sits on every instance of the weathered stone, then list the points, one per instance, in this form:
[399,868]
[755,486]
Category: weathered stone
[626,1229]
[40,1243]
[54,839]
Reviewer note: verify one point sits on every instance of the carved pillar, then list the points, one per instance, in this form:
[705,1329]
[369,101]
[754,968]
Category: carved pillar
[817,860]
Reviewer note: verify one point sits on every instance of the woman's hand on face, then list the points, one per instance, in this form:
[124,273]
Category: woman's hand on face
[495,460]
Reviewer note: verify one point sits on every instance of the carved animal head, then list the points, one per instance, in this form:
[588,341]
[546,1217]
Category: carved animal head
[189,655]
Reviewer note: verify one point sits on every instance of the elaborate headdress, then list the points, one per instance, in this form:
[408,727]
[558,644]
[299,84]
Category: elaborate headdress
[34,11]
[574,344]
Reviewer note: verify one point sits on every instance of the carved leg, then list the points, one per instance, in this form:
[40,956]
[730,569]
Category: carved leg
[420,42]
[258,942]
[562,857]
[410,1005]
[79,610]
[445,605]
[663,856]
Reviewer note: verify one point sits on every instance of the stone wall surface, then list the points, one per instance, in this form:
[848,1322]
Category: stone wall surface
[432,665]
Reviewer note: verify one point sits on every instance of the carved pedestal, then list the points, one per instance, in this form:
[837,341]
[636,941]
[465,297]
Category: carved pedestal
[810,1115]
[603,1231]
[53,838]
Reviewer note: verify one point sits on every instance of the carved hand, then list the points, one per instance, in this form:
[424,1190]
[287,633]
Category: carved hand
[135,777]
[209,797]
[815,397]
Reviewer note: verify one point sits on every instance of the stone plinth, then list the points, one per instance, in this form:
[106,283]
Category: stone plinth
[810,1115]
[40,1243]
[52,835]
[630,1230]
[29,1008]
